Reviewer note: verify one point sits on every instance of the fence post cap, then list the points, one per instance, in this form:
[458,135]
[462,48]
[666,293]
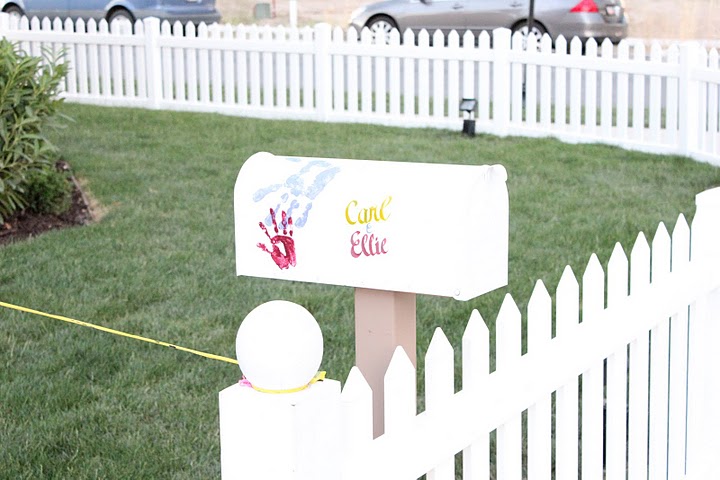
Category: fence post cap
[279,347]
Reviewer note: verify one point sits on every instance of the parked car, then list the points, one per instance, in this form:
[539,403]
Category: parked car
[195,11]
[598,19]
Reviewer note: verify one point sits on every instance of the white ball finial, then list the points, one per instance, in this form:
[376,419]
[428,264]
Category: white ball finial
[279,346]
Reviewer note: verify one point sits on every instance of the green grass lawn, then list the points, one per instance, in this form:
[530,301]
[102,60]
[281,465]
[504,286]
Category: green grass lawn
[77,403]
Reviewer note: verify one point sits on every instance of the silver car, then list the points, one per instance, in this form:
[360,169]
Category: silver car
[598,19]
[195,11]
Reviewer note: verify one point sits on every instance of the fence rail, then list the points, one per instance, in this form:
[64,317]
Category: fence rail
[662,100]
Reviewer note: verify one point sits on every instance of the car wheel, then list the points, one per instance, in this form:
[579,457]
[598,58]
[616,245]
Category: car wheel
[381,24]
[538,30]
[14,11]
[120,14]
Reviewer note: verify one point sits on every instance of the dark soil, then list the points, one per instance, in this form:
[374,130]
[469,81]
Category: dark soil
[26,224]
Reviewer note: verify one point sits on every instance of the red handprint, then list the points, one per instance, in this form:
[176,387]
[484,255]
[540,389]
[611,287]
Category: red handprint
[282,259]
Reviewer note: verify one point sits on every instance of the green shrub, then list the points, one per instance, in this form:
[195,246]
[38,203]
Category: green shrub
[47,191]
[28,105]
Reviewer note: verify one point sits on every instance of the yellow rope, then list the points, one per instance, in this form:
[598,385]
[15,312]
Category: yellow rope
[117,332]
[317,378]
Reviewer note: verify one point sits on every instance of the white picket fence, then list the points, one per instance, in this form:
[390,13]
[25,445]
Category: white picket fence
[627,387]
[647,363]
[664,102]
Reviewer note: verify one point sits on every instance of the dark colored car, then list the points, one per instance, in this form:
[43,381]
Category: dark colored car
[195,11]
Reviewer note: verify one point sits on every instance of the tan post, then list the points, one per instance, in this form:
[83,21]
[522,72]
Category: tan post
[383,321]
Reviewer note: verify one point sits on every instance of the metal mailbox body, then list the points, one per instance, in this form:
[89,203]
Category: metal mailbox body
[406,227]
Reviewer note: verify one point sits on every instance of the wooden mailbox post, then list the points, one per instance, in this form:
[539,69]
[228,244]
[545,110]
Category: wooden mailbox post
[389,229]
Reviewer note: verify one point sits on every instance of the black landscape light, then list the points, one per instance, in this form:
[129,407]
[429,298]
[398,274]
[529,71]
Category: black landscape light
[467,106]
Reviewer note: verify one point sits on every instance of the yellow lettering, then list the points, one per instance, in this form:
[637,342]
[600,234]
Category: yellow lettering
[385,203]
[347,212]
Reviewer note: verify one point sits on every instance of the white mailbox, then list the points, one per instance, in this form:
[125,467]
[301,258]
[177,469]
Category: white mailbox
[406,227]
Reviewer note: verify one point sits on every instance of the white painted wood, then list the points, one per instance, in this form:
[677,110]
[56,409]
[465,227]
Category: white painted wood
[128,61]
[322,82]
[507,353]
[400,394]
[531,87]
[178,62]
[453,73]
[468,66]
[228,58]
[204,67]
[712,142]
[352,72]
[567,315]
[338,65]
[116,63]
[593,302]
[677,422]
[151,53]
[366,73]
[702,134]
[501,80]
[357,414]
[438,77]
[671,106]
[639,369]
[409,109]
[539,449]
[81,65]
[71,83]
[92,56]
[517,80]
[659,361]
[268,71]
[575,87]
[606,91]
[286,437]
[484,94]
[423,76]
[394,76]
[560,84]
[167,64]
[616,404]
[308,85]
[623,55]
[294,39]
[655,102]
[638,104]
[475,371]
[439,389]
[380,77]
[546,85]
[591,75]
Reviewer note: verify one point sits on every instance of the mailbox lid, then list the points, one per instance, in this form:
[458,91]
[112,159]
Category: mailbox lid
[409,227]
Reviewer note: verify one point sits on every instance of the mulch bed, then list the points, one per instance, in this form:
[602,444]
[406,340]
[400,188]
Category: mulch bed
[25,224]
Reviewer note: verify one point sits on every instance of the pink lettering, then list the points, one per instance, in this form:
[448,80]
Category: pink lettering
[367,245]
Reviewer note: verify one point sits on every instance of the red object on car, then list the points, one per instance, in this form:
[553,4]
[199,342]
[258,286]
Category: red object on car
[585,6]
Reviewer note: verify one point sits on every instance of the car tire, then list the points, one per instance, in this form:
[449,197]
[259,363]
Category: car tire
[538,30]
[120,14]
[381,24]
[13,11]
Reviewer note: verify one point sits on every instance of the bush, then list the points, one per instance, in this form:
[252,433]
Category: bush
[47,191]
[28,105]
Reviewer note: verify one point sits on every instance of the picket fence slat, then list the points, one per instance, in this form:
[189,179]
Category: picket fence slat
[439,389]
[484,94]
[659,360]
[517,82]
[678,359]
[438,78]
[453,73]
[606,89]
[400,393]
[546,85]
[616,416]
[575,87]
[560,84]
[531,86]
[357,413]
[566,417]
[639,369]
[593,300]
[638,108]
[539,321]
[475,370]
[204,69]
[591,53]
[507,353]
